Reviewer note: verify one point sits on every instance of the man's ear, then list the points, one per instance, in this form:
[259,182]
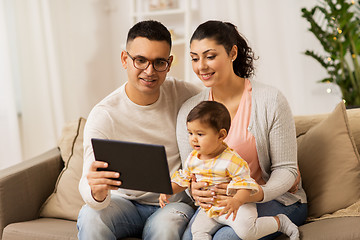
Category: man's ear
[124,58]
[171,58]
[222,134]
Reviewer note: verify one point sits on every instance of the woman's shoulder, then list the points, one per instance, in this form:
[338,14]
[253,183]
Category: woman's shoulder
[193,101]
[261,88]
[266,93]
[269,101]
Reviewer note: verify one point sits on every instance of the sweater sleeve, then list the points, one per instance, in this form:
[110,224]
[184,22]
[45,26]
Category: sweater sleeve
[91,131]
[282,150]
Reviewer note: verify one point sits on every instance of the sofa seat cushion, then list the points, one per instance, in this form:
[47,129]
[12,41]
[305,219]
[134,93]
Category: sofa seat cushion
[42,228]
[330,229]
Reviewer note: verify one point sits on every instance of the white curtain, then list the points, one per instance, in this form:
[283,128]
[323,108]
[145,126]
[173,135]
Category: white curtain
[65,59]
[37,116]
[10,147]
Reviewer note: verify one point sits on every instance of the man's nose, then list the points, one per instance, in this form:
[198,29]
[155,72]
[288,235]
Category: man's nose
[150,69]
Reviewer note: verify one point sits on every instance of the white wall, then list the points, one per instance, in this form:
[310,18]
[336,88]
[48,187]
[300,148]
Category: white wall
[81,65]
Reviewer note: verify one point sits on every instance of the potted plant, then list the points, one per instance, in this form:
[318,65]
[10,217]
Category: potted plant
[336,24]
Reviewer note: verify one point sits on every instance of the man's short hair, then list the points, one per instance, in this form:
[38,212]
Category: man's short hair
[212,113]
[150,29]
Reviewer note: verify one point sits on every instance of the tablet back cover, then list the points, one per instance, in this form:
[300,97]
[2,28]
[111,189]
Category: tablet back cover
[141,166]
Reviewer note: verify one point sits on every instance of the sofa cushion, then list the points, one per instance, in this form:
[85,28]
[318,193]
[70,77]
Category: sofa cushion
[330,229]
[41,229]
[351,211]
[329,164]
[305,122]
[354,116]
[65,202]
[44,229]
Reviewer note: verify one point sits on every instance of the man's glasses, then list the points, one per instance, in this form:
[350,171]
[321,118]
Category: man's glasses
[142,63]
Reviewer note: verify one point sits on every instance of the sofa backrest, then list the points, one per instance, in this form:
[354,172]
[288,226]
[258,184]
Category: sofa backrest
[66,196]
[304,123]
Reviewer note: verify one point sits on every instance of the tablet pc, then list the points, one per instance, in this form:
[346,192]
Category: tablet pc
[141,166]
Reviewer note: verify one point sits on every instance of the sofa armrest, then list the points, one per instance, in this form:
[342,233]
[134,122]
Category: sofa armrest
[25,187]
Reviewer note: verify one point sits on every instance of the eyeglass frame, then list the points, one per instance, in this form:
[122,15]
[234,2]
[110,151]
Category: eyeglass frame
[149,61]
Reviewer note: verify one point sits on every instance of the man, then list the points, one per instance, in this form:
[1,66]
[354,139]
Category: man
[143,110]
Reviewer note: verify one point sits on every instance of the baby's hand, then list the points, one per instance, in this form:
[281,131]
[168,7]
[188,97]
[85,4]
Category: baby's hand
[231,206]
[163,199]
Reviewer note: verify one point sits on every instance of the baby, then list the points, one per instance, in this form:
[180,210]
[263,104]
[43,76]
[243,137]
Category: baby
[212,161]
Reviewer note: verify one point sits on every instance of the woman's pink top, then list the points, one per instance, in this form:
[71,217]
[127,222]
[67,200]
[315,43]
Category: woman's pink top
[240,138]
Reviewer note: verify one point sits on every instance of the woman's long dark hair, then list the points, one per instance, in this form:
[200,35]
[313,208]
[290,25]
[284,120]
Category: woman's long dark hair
[226,34]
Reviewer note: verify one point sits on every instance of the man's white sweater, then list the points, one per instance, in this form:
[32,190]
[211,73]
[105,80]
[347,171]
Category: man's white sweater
[117,117]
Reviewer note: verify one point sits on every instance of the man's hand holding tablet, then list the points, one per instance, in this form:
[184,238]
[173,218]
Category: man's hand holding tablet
[102,181]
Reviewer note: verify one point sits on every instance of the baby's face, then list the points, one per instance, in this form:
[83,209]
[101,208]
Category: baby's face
[204,139]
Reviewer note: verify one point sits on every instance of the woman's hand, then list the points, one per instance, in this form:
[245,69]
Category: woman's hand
[100,182]
[220,189]
[205,198]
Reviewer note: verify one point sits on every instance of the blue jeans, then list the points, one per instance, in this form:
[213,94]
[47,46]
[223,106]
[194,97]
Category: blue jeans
[125,218]
[297,213]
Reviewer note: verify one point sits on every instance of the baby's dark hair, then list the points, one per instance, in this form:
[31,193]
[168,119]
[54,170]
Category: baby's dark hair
[227,35]
[150,29]
[212,113]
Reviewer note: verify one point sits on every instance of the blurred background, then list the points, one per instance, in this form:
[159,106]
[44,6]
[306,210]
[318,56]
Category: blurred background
[58,58]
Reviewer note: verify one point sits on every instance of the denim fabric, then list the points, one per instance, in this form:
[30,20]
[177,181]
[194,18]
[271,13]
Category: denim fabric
[125,218]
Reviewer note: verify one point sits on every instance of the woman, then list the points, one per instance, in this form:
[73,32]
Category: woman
[262,127]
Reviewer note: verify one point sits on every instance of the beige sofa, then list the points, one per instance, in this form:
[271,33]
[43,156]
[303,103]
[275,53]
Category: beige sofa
[30,208]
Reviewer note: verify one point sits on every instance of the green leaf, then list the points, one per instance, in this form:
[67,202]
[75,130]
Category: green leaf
[326,80]
[337,44]
[318,58]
